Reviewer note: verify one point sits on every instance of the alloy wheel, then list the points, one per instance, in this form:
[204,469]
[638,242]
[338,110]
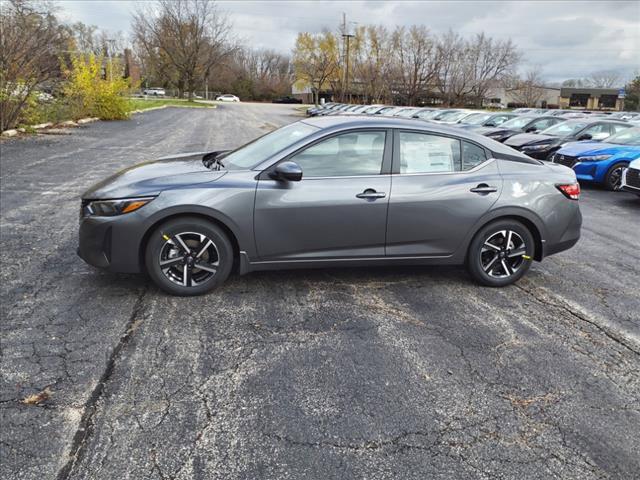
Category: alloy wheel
[615,178]
[189,258]
[503,254]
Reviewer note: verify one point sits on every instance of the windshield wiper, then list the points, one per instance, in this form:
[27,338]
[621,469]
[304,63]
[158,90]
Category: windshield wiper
[214,158]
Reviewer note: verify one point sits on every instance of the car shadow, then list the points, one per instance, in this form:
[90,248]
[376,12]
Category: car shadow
[348,275]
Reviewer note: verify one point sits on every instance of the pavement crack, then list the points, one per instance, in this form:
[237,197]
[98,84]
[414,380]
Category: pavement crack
[544,298]
[87,423]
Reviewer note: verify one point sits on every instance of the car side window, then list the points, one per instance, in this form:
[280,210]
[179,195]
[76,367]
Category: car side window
[349,154]
[615,128]
[598,131]
[472,155]
[542,124]
[425,153]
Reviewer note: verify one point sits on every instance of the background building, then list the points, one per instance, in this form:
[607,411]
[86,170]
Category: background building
[591,98]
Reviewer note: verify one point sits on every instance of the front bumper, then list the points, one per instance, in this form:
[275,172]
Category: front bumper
[112,243]
[630,181]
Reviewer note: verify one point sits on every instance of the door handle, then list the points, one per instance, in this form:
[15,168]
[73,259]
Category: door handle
[483,188]
[371,193]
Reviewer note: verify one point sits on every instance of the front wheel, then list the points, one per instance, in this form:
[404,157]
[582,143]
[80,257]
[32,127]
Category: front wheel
[613,178]
[501,253]
[188,256]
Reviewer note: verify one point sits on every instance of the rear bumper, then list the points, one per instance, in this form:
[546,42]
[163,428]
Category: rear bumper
[569,237]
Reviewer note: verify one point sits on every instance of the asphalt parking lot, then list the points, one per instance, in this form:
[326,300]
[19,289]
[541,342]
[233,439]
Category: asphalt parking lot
[407,373]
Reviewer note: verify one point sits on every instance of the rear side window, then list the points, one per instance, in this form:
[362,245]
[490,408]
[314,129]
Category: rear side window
[472,155]
[424,153]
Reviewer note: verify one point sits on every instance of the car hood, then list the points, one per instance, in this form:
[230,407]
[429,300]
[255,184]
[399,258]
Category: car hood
[529,139]
[151,178]
[575,149]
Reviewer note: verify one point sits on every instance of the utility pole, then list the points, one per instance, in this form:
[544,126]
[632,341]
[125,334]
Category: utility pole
[347,36]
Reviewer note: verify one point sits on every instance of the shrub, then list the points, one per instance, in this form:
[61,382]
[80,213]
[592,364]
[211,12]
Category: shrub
[95,88]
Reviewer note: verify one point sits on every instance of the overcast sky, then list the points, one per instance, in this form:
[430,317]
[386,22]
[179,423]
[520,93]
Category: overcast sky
[564,39]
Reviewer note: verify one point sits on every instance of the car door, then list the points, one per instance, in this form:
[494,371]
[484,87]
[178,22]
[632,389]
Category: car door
[339,207]
[441,186]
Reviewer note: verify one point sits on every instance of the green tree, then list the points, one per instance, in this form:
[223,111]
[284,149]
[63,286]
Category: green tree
[632,91]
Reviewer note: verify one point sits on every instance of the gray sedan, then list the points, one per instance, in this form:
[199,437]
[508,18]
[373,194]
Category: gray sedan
[333,191]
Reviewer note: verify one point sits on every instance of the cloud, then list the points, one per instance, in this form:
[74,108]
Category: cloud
[565,38]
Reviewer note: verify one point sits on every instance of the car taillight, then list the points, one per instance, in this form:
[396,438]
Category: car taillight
[571,190]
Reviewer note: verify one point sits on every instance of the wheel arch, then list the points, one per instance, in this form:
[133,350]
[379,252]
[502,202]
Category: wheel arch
[204,214]
[528,219]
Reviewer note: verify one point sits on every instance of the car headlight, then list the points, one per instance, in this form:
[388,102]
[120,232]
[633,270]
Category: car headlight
[112,208]
[593,158]
[535,147]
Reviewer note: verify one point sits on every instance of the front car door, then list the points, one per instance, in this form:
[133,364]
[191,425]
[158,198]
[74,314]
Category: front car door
[339,208]
[441,186]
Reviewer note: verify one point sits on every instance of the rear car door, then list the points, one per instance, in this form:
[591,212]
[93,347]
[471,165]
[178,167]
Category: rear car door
[338,209]
[441,186]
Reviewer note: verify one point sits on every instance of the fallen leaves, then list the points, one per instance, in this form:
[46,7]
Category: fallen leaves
[37,398]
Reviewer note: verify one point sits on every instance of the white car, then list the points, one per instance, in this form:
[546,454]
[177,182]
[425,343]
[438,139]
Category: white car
[154,92]
[630,179]
[227,97]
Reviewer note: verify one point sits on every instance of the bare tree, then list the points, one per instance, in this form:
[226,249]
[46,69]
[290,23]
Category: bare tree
[372,51]
[605,79]
[32,40]
[489,61]
[187,38]
[454,73]
[527,90]
[415,61]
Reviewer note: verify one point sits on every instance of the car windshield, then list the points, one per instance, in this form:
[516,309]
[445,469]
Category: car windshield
[564,128]
[455,116]
[263,147]
[426,114]
[476,118]
[406,112]
[445,116]
[630,136]
[516,123]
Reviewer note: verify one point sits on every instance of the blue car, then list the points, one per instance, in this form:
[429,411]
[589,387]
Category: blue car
[601,162]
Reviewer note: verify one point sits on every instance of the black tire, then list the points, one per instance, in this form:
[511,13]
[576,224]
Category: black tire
[183,277]
[614,176]
[517,255]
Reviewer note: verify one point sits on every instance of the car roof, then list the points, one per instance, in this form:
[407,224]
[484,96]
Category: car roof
[590,120]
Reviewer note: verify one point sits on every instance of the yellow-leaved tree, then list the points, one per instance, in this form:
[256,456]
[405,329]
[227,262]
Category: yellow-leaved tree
[315,61]
[95,88]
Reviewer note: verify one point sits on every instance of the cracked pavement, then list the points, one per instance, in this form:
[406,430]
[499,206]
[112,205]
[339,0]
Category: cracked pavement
[375,373]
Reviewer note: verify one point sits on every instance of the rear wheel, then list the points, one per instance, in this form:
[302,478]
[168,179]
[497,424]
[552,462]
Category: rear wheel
[613,178]
[500,253]
[188,256]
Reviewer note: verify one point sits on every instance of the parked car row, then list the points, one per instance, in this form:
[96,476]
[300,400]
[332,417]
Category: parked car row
[597,145]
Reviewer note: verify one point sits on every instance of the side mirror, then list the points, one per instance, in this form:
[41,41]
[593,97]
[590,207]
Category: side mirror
[531,130]
[289,171]
[585,136]
[490,124]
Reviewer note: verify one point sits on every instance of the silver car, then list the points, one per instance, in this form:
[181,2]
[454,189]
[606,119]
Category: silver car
[333,191]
